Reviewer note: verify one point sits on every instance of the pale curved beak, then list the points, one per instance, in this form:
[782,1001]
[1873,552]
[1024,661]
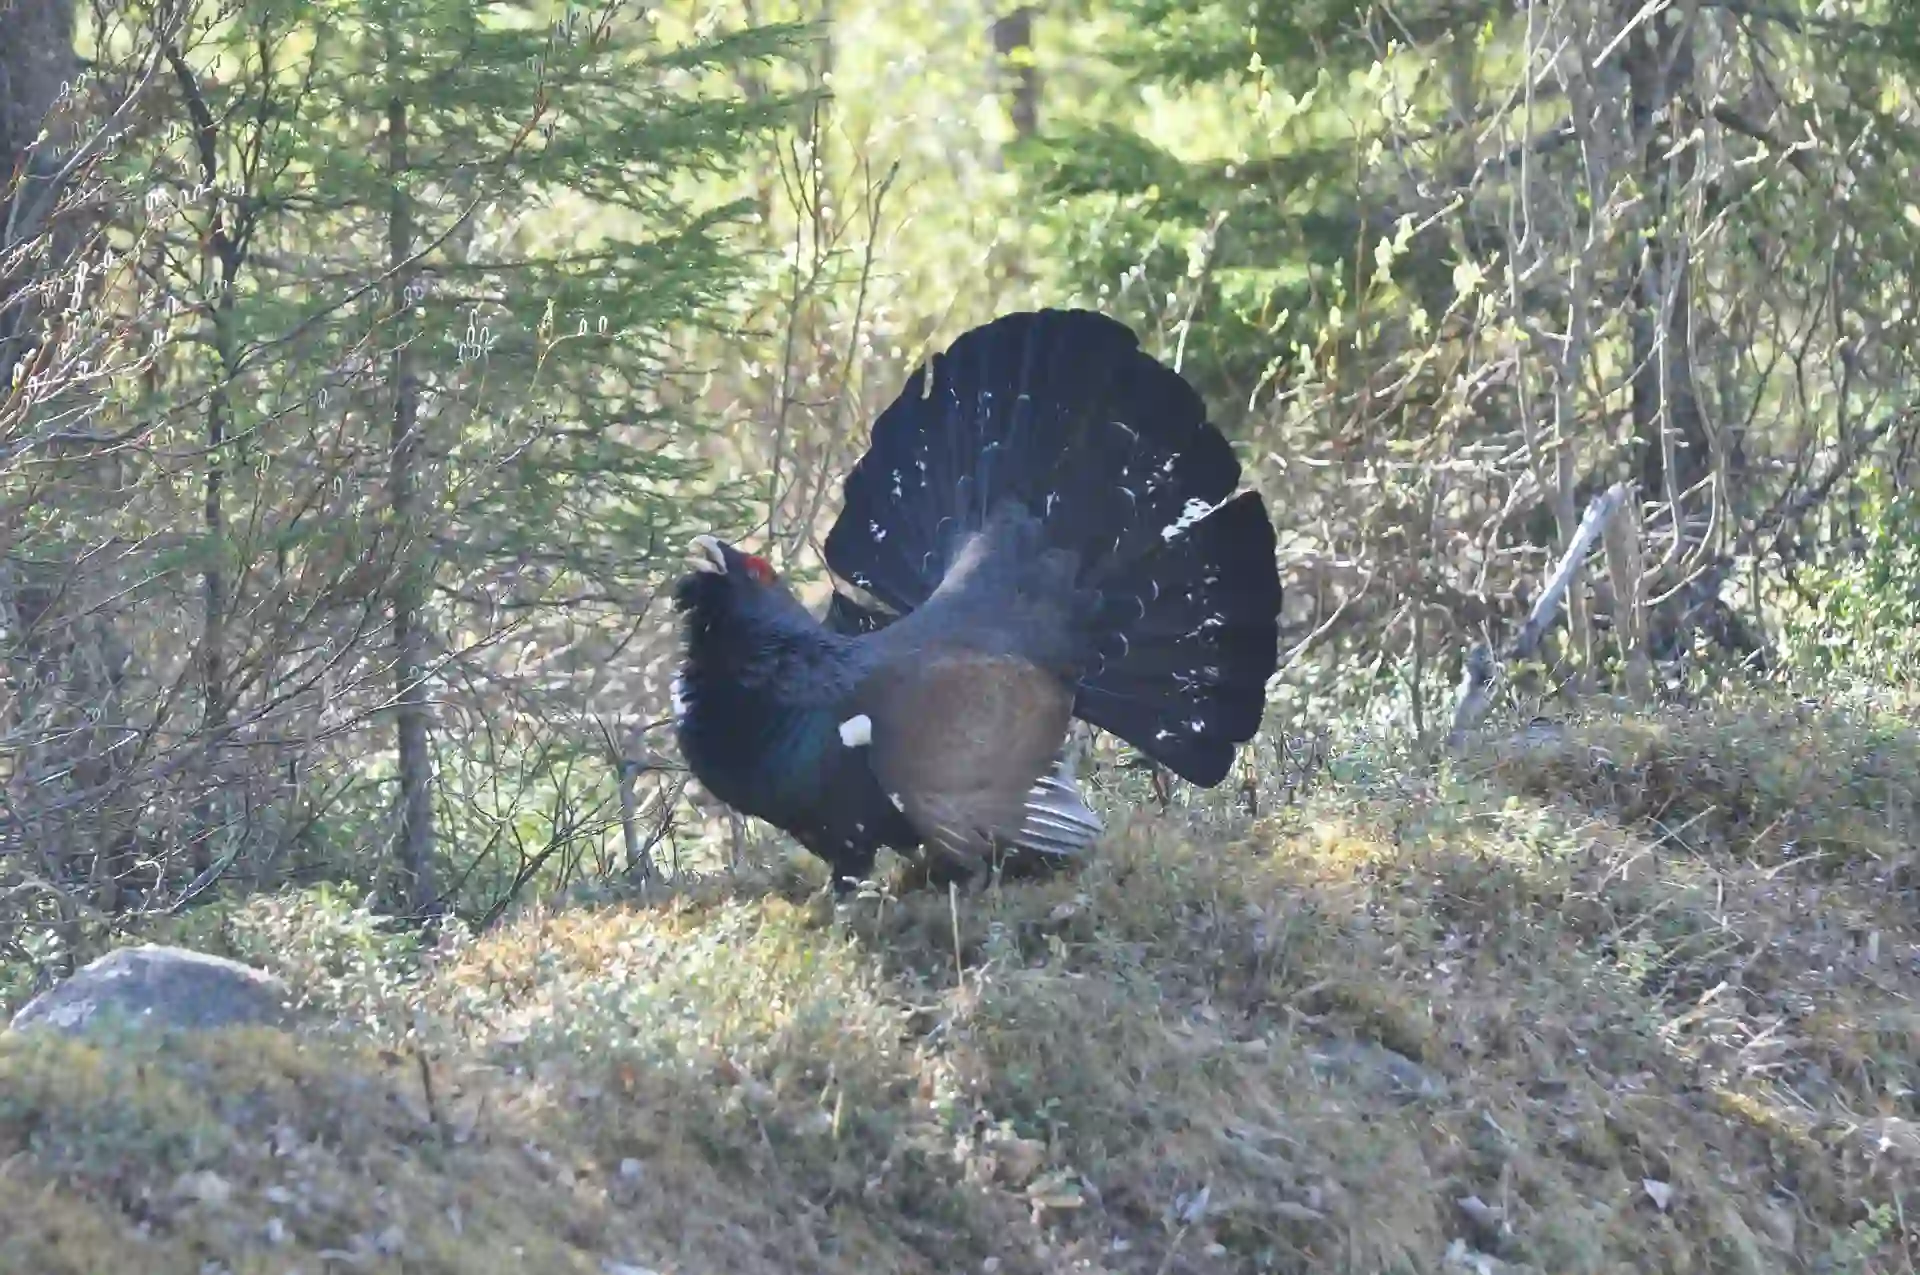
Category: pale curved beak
[705,554]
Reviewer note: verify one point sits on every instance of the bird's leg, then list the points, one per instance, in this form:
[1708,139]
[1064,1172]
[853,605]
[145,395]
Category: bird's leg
[916,873]
[1009,863]
[928,870]
[941,871]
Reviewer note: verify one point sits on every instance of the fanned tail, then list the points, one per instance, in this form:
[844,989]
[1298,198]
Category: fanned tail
[1189,637]
[1112,450]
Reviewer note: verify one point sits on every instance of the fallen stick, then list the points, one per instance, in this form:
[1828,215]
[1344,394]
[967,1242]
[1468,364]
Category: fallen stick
[1483,669]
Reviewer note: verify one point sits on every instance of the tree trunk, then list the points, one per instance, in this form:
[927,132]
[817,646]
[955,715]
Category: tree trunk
[1670,435]
[413,838]
[68,811]
[1013,48]
[1014,73]
[36,58]
[1017,80]
[224,254]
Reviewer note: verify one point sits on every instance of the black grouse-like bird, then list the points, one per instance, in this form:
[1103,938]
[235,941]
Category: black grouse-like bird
[1043,527]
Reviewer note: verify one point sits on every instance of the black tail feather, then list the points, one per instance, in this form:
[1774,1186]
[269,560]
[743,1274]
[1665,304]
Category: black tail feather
[1189,637]
[1060,409]
[1064,412]
[845,615]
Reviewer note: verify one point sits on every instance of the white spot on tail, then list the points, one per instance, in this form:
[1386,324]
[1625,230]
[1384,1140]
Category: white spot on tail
[1196,510]
[857,731]
[678,693]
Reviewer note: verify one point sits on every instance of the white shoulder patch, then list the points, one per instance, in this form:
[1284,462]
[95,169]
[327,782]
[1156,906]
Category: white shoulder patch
[857,731]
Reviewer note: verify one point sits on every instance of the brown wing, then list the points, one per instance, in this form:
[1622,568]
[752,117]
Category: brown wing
[959,740]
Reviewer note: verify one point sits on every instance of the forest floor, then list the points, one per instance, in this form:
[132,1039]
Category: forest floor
[1633,995]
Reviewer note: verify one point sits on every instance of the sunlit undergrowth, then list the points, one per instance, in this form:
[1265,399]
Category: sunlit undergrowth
[1636,996]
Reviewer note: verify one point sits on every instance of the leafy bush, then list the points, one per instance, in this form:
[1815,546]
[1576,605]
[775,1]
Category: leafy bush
[1859,612]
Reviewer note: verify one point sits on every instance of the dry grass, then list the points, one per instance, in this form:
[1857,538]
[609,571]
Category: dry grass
[1638,999]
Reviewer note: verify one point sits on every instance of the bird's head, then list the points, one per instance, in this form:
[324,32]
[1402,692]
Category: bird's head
[736,611]
[713,557]
[726,584]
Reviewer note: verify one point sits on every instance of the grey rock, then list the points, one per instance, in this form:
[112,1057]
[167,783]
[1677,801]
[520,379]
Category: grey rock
[156,988]
[1376,1067]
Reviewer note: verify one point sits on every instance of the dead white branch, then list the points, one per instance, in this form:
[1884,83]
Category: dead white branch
[1483,670]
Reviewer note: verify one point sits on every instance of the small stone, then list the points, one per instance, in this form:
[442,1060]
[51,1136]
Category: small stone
[204,1185]
[1376,1067]
[1777,1220]
[1018,1159]
[1489,1223]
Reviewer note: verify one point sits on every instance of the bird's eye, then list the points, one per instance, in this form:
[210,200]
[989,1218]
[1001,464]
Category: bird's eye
[759,568]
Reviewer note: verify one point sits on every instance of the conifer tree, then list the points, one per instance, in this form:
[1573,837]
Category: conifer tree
[412,274]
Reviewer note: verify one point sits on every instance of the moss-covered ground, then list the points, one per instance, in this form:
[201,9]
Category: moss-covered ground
[1635,995]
